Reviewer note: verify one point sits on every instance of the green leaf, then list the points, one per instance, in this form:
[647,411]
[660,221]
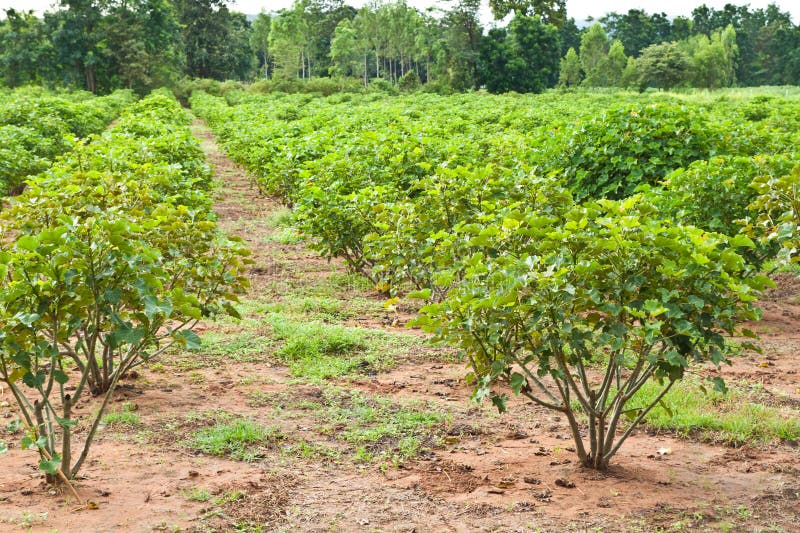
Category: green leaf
[424,294]
[60,376]
[499,401]
[27,443]
[3,447]
[189,339]
[719,384]
[742,241]
[27,242]
[51,466]
[749,333]
[518,382]
[65,422]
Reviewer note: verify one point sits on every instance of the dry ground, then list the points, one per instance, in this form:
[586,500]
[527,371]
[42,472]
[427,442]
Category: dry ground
[390,441]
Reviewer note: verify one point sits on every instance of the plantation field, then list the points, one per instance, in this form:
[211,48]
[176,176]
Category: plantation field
[377,224]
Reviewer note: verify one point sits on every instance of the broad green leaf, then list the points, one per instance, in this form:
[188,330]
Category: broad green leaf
[50,466]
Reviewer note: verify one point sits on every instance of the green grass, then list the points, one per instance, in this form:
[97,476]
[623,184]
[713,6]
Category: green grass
[738,417]
[287,236]
[198,494]
[281,218]
[124,417]
[241,347]
[378,428]
[317,351]
[348,424]
[317,308]
[258,399]
[239,439]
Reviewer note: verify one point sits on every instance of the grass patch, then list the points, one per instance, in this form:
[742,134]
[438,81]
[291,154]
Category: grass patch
[241,347]
[198,494]
[124,417]
[338,282]
[280,218]
[348,424]
[738,417]
[319,351]
[313,450]
[377,428]
[258,399]
[317,308]
[240,439]
[287,236]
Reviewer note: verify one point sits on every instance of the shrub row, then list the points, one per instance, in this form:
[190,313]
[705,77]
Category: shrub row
[111,257]
[35,128]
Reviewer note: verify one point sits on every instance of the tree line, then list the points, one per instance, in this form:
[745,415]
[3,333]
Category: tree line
[102,45]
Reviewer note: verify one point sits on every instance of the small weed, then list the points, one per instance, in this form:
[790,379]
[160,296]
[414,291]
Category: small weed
[241,439]
[280,218]
[228,497]
[125,417]
[317,351]
[239,347]
[288,236]
[313,450]
[196,378]
[378,428]
[258,399]
[198,494]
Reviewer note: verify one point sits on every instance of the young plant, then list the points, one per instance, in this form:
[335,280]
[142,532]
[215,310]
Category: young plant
[591,307]
[777,205]
[93,298]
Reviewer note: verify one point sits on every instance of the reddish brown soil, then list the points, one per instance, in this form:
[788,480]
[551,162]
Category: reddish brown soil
[514,472]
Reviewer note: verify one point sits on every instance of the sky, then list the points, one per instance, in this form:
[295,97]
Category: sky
[578,9]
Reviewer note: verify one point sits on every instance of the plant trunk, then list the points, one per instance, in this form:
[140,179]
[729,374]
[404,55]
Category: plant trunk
[66,443]
[90,83]
[41,430]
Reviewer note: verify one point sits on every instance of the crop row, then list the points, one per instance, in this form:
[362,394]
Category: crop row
[370,177]
[36,127]
[110,257]
[572,248]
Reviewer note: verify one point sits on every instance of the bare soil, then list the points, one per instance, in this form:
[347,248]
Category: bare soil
[515,472]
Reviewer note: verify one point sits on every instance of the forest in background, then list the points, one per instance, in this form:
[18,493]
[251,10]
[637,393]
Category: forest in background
[103,45]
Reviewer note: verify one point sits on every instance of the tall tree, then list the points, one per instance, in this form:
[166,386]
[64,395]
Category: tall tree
[288,38]
[663,66]
[259,41]
[349,52]
[25,50]
[77,41]
[637,30]
[616,63]
[570,70]
[216,41]
[463,41]
[144,43]
[524,58]
[551,11]
[594,56]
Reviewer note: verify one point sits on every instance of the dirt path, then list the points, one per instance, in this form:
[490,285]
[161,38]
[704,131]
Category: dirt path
[483,472]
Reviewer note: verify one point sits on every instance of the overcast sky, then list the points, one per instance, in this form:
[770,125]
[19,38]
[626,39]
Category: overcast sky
[579,9]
